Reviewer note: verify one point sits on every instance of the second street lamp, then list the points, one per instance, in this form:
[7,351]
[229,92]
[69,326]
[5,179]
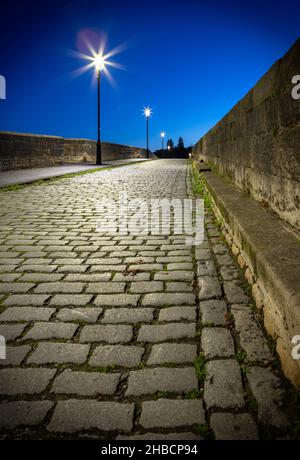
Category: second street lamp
[162,134]
[147,113]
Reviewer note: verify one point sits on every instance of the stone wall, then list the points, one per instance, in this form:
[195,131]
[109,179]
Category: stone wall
[257,144]
[18,151]
[82,150]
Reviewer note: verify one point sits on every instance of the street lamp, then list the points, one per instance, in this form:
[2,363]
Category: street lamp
[147,113]
[162,135]
[99,63]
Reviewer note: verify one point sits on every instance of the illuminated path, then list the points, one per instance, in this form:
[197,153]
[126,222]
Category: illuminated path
[122,337]
[24,176]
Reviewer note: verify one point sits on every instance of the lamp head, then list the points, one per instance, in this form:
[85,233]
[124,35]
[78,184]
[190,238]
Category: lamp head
[147,112]
[99,63]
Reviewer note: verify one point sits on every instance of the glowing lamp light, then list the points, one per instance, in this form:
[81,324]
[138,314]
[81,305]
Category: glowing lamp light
[147,112]
[163,134]
[99,63]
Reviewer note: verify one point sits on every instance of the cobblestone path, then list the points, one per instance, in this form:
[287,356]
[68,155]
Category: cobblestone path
[127,337]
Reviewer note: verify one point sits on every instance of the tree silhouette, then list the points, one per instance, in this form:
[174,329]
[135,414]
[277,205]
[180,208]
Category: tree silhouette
[170,144]
[180,144]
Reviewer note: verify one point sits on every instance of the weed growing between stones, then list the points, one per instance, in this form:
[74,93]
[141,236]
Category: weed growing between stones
[200,366]
[198,187]
[205,432]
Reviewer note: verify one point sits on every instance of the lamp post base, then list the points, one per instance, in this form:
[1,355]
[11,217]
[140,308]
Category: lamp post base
[98,154]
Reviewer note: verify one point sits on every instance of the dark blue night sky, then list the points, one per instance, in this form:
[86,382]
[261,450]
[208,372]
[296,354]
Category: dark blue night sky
[191,61]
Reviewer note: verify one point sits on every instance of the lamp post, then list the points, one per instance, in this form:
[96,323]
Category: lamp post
[99,66]
[100,62]
[162,134]
[147,113]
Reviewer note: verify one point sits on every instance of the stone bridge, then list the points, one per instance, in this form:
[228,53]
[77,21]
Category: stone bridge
[147,336]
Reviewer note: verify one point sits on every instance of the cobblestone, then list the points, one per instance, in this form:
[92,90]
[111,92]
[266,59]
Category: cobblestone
[45,331]
[117,355]
[29,300]
[169,413]
[41,277]
[209,288]
[234,292]
[59,286]
[233,427]
[26,314]
[75,415]
[267,391]
[214,312]
[164,353]
[105,288]
[107,333]
[24,381]
[179,287]
[103,331]
[15,355]
[223,386]
[26,413]
[118,300]
[61,353]
[217,343]
[206,268]
[85,383]
[178,314]
[157,333]
[88,278]
[145,287]
[87,315]
[128,315]
[161,300]
[174,276]
[63,300]
[251,337]
[11,331]
[132,277]
[7,288]
[150,381]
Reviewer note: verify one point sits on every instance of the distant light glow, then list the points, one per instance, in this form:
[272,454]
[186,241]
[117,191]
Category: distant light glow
[162,134]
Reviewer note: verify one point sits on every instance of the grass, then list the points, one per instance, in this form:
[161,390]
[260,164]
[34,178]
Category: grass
[14,187]
[241,357]
[252,404]
[193,394]
[218,223]
[163,394]
[205,432]
[200,367]
[198,187]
